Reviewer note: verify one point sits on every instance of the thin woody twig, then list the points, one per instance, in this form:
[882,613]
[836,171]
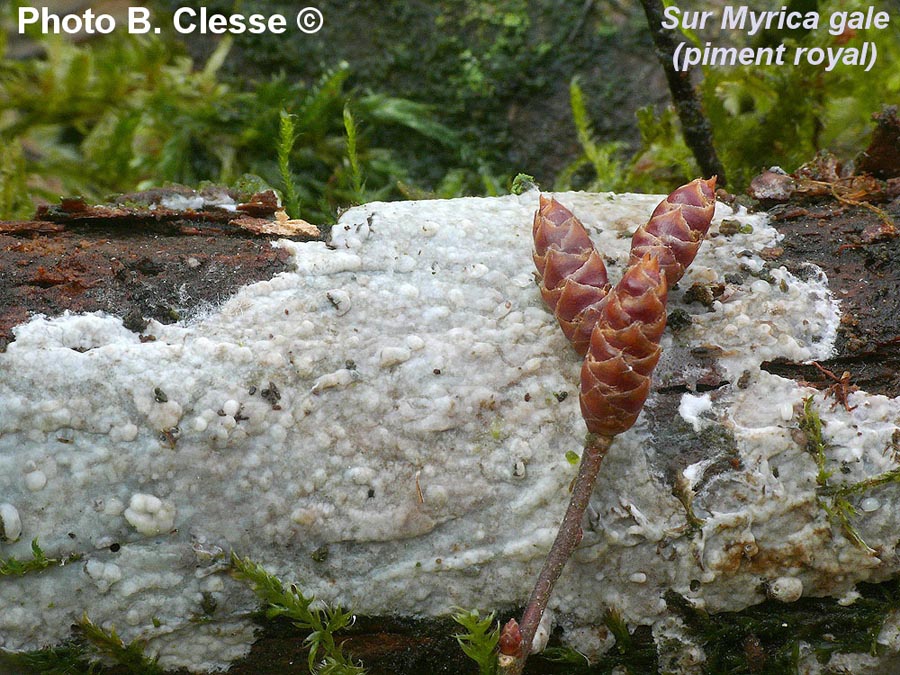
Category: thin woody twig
[519,637]
[694,123]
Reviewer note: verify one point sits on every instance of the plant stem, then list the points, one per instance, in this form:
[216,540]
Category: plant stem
[568,537]
[694,124]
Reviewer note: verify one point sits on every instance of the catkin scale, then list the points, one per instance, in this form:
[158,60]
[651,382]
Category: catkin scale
[571,274]
[677,227]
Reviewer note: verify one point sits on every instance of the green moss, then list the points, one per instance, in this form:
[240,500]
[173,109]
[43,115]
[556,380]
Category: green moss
[68,659]
[79,656]
[811,425]
[14,202]
[108,643]
[480,639]
[326,656]
[766,637]
[287,136]
[522,183]
[834,499]
[634,653]
[129,112]
[601,158]
[682,491]
[37,563]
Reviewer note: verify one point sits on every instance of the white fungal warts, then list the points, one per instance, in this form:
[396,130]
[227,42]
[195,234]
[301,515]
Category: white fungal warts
[149,514]
[165,415]
[10,523]
[786,589]
[414,342]
[692,407]
[392,356]
[35,480]
[103,574]
[339,378]
[869,504]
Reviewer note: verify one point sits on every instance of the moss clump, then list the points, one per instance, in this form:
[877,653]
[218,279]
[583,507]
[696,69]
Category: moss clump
[325,653]
[108,643]
[38,562]
[766,637]
[67,659]
[480,639]
[79,655]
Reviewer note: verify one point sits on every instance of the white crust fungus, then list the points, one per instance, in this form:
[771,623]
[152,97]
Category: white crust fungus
[405,426]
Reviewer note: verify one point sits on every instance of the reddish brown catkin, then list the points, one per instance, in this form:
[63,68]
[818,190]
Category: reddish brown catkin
[624,349]
[625,326]
[676,228]
[624,346]
[572,274]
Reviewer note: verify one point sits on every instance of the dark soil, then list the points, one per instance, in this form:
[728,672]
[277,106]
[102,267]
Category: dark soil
[387,646]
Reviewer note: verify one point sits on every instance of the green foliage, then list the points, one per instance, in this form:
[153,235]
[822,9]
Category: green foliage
[356,179]
[811,425]
[38,562]
[108,643]
[834,499]
[479,641]
[409,114]
[13,186]
[325,655]
[661,161]
[458,182]
[765,115]
[633,653]
[567,655]
[617,626]
[287,136]
[68,659]
[130,112]
[498,34]
[838,509]
[522,183]
[607,171]
[760,115]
